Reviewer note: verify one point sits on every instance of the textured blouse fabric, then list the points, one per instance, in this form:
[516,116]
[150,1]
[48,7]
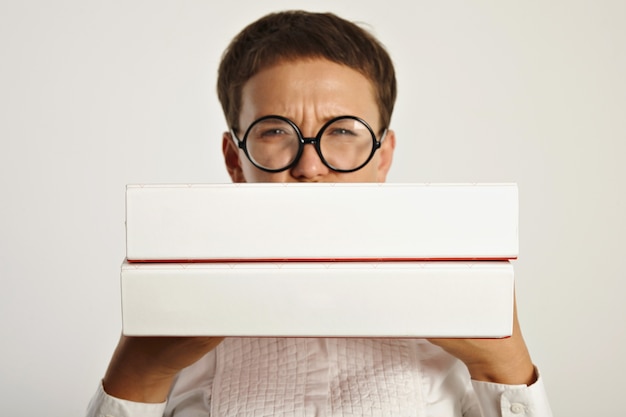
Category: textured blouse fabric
[334,377]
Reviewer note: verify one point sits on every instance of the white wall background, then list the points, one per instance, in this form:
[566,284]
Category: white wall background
[95,95]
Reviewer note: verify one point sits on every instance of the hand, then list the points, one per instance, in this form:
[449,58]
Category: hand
[143,368]
[505,361]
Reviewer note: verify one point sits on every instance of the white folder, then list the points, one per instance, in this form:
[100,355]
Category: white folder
[338,299]
[344,221]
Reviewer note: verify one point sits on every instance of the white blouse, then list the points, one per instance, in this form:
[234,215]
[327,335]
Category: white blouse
[332,377]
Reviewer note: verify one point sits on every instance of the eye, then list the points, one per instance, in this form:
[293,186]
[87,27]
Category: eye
[340,131]
[273,132]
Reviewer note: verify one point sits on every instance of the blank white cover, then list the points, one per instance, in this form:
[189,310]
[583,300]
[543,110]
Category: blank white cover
[321,221]
[389,299]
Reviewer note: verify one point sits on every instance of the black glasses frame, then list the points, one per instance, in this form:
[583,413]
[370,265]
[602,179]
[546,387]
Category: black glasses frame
[315,141]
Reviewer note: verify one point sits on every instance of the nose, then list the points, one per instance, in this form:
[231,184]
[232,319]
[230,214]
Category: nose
[309,167]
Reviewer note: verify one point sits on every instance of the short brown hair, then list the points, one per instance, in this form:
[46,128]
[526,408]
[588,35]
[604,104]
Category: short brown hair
[293,35]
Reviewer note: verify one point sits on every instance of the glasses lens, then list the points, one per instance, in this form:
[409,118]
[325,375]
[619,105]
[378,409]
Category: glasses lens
[272,143]
[347,144]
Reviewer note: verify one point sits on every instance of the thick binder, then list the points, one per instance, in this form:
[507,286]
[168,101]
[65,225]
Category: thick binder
[338,299]
[303,222]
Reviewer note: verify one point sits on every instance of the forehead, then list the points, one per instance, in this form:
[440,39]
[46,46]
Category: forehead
[308,90]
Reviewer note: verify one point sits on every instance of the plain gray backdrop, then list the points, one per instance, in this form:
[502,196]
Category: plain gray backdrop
[95,95]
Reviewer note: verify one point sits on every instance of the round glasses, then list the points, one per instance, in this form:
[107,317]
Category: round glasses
[275,143]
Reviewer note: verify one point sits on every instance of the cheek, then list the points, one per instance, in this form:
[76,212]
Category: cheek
[369,173]
[253,174]
[366,176]
[363,175]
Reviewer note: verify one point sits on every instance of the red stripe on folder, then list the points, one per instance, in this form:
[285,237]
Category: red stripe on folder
[249,260]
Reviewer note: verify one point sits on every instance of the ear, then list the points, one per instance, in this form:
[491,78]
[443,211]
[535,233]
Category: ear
[231,158]
[386,155]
